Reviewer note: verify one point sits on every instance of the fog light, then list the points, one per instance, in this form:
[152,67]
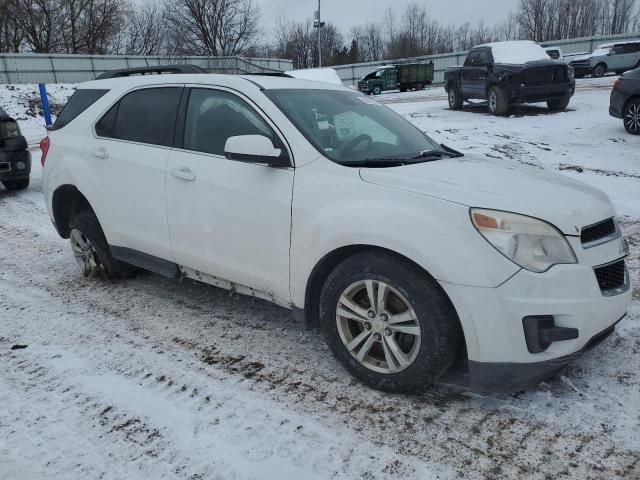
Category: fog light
[21,165]
[540,332]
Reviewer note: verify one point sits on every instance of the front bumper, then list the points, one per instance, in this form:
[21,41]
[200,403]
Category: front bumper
[14,164]
[616,104]
[492,318]
[542,93]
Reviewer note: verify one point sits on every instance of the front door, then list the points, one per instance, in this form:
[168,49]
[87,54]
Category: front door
[474,75]
[229,219]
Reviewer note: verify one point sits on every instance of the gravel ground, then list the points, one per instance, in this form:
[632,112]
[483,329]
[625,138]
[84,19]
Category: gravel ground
[154,378]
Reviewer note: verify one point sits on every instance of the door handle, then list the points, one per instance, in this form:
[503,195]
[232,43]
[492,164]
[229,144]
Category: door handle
[183,174]
[100,153]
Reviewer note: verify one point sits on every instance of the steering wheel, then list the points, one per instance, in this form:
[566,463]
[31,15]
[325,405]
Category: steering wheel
[355,142]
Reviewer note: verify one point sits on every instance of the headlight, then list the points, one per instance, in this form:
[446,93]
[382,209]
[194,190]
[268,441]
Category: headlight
[531,243]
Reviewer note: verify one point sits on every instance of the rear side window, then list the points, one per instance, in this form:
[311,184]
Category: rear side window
[78,103]
[145,116]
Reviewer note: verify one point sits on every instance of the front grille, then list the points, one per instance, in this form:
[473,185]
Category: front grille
[545,76]
[612,276]
[5,167]
[362,86]
[596,232]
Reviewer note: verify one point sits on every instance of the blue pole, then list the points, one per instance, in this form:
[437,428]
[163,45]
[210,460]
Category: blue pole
[44,101]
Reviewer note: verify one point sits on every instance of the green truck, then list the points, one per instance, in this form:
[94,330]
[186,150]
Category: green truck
[403,77]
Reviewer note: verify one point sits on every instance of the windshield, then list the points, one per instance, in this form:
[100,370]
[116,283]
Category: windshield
[601,51]
[349,127]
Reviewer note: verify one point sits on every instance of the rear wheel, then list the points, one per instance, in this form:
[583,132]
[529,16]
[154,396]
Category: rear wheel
[91,249]
[388,323]
[16,184]
[599,70]
[498,104]
[558,104]
[455,99]
[631,117]
[377,90]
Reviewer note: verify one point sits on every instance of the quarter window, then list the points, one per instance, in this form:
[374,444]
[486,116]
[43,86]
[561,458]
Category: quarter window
[214,115]
[78,103]
[145,116]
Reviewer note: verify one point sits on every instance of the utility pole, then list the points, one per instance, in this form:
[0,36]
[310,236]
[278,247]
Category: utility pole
[319,24]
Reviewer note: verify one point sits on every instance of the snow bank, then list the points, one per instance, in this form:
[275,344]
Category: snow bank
[327,75]
[517,52]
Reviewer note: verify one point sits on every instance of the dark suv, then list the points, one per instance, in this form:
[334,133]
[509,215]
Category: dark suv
[625,101]
[15,158]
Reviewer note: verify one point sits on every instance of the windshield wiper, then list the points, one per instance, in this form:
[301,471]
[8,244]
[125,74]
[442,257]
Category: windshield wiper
[379,162]
[436,154]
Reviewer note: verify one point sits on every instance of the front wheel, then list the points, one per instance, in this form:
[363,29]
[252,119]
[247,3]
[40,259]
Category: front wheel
[558,104]
[377,90]
[498,103]
[388,323]
[16,184]
[631,117]
[599,70]
[455,99]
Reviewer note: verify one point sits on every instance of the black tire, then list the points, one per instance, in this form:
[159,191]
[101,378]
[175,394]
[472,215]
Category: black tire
[16,184]
[454,96]
[103,265]
[498,103]
[558,104]
[377,90]
[631,117]
[403,89]
[599,70]
[420,86]
[579,75]
[440,337]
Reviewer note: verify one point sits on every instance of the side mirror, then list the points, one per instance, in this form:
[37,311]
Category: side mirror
[255,149]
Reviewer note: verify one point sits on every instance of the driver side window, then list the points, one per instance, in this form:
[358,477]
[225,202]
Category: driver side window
[213,116]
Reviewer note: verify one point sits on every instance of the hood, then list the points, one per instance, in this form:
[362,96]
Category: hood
[581,57]
[501,185]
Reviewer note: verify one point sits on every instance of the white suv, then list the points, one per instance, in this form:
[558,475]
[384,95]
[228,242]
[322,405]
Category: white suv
[408,255]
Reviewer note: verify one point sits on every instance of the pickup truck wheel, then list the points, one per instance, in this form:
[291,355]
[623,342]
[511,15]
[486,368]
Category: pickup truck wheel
[91,249]
[403,89]
[559,104]
[455,99]
[631,117]
[599,70]
[377,90]
[16,184]
[388,323]
[498,104]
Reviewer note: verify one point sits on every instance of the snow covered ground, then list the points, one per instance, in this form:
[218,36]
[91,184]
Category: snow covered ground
[156,379]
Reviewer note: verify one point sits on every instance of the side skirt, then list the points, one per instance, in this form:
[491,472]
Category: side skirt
[146,262]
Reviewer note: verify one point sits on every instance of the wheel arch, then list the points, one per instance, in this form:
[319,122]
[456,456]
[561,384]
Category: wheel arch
[66,202]
[331,260]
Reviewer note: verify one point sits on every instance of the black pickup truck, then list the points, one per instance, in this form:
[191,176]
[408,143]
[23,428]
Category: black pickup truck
[505,73]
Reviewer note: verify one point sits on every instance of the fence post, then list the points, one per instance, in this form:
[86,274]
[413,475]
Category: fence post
[53,70]
[44,101]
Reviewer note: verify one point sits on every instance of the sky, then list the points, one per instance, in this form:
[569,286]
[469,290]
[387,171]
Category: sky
[347,13]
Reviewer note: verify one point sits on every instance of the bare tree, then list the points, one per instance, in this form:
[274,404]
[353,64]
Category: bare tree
[144,33]
[11,34]
[212,27]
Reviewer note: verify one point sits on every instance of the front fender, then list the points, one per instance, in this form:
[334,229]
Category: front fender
[334,208]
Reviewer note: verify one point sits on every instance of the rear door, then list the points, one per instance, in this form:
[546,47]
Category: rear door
[228,219]
[129,152]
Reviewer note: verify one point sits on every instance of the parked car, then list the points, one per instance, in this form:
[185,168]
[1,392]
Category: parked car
[611,57]
[625,101]
[505,73]
[401,77]
[15,158]
[408,255]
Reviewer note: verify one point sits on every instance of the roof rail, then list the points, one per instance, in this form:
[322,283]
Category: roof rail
[270,74]
[127,72]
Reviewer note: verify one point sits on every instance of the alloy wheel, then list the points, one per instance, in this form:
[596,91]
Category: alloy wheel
[85,253]
[632,117]
[452,97]
[378,326]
